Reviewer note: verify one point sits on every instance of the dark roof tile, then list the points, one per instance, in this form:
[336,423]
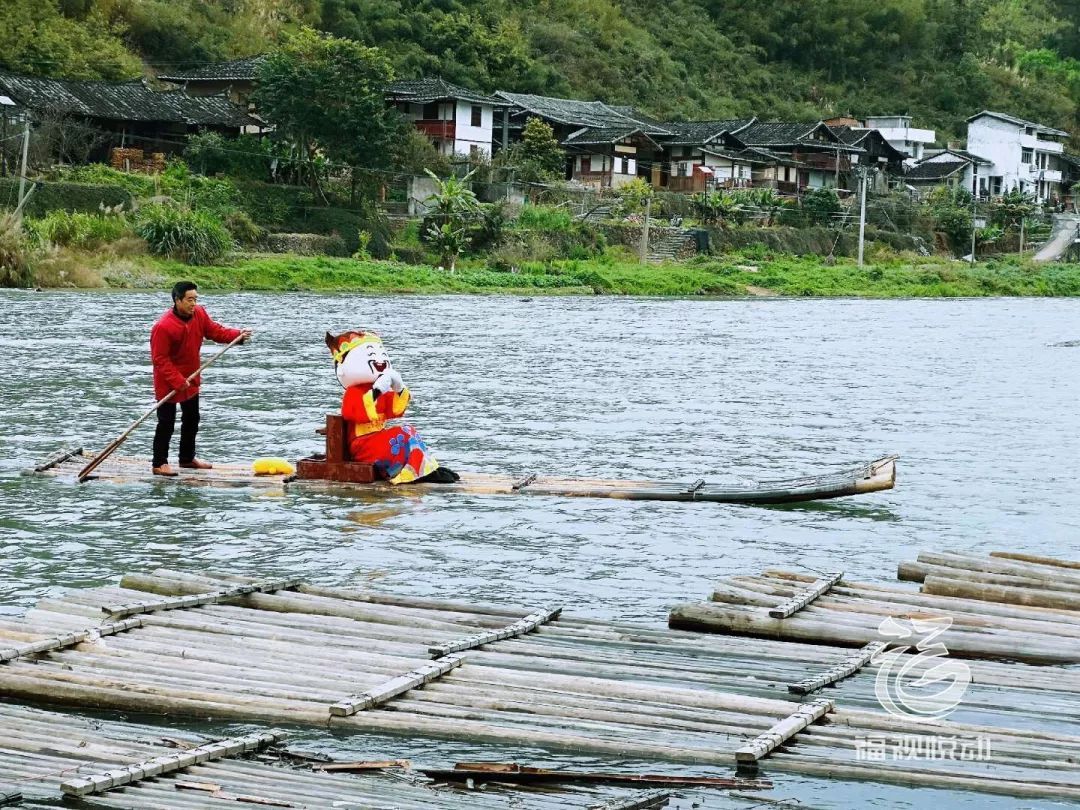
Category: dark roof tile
[236,70]
[572,112]
[937,170]
[122,101]
[426,91]
[694,133]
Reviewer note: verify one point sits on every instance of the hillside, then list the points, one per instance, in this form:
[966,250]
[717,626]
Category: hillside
[940,60]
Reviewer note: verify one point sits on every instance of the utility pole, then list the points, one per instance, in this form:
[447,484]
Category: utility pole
[645,230]
[973,226]
[1021,234]
[25,152]
[862,217]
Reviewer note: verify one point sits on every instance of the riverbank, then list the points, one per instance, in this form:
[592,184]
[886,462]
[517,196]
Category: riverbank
[746,274]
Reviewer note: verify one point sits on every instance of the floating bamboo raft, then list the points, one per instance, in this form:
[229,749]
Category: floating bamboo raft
[46,756]
[864,478]
[999,607]
[355,660]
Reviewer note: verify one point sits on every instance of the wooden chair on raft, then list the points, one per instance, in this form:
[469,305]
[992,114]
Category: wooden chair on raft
[334,464]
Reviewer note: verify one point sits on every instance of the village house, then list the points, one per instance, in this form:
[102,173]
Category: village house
[1024,155]
[606,146]
[877,154]
[897,130]
[124,114]
[703,155]
[458,121]
[235,79]
[814,155]
[953,168]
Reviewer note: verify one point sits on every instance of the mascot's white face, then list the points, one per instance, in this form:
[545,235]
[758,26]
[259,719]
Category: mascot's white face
[365,360]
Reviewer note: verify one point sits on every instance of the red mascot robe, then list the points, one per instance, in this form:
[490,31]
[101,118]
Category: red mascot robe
[398,453]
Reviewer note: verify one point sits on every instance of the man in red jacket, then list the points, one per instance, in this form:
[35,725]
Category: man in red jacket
[175,341]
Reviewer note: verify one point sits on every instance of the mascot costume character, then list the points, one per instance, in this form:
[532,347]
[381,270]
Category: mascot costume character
[375,395]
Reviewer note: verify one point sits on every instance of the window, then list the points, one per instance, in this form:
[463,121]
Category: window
[477,115]
[1026,154]
[584,164]
[474,151]
[431,112]
[623,167]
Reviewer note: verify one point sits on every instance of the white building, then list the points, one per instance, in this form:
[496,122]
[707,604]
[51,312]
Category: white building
[458,120]
[954,168]
[1024,156]
[897,130]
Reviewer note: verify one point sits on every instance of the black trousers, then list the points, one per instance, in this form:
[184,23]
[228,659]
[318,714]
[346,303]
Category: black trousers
[166,423]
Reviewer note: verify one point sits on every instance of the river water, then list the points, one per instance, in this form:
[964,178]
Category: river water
[974,395]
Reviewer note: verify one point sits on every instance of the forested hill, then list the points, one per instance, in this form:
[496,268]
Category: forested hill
[940,60]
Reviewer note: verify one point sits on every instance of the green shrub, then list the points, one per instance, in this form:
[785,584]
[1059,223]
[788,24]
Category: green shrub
[64,196]
[821,206]
[211,194]
[306,244]
[76,229]
[243,227]
[15,253]
[98,174]
[272,205]
[544,218]
[196,237]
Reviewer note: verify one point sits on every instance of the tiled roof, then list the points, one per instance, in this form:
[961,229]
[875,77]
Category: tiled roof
[634,114]
[593,136]
[962,154]
[237,70]
[852,137]
[938,170]
[693,133]
[745,155]
[791,133]
[777,133]
[1012,119]
[122,101]
[572,112]
[426,91]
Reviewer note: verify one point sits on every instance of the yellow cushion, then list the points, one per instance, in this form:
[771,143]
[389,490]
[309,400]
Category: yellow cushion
[272,466]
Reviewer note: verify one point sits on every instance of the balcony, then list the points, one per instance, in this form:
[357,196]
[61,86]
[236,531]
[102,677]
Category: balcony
[433,128]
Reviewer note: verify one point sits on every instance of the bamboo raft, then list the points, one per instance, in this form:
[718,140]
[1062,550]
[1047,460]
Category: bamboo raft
[1000,607]
[47,756]
[354,660]
[874,476]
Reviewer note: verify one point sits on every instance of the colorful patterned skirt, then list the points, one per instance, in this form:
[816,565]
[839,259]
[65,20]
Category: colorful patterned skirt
[398,453]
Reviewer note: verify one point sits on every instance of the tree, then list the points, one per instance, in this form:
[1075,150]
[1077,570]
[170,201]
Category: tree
[537,157]
[326,95]
[451,207]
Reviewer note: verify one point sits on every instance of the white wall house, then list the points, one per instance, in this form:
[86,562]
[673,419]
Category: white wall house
[954,168]
[457,120]
[897,130]
[1024,155]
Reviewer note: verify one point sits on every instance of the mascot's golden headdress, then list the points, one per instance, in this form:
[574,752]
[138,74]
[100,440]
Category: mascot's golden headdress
[341,345]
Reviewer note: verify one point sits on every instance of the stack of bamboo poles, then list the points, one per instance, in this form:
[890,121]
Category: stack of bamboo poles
[1039,583]
[589,688]
[42,751]
[850,613]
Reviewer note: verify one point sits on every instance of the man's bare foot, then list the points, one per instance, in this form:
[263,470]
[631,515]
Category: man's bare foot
[165,470]
[196,464]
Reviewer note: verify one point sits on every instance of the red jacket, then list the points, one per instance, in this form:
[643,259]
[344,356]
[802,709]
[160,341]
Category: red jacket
[174,350]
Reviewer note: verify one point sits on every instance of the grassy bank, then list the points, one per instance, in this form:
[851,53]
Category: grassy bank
[750,273]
